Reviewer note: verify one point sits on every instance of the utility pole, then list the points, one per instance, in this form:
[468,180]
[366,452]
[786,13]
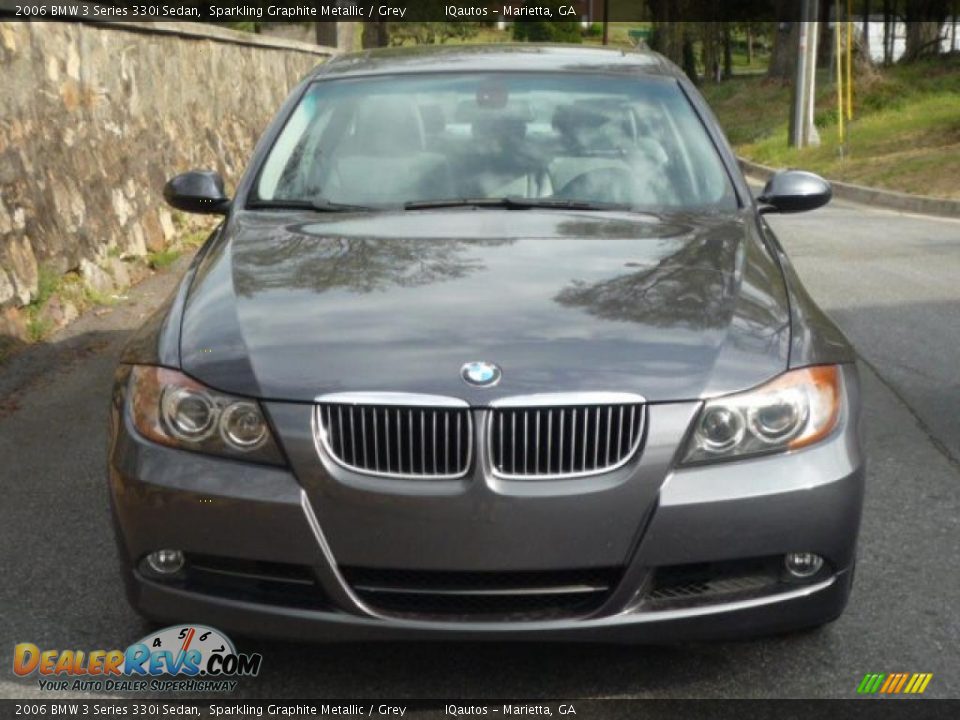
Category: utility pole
[799,78]
[803,132]
[812,137]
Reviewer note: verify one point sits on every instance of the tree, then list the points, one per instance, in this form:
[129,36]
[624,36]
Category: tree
[888,24]
[375,34]
[347,36]
[923,38]
[547,31]
[429,33]
[244,26]
[672,36]
[727,51]
[924,18]
[866,28]
[783,58]
[827,41]
[689,63]
[710,45]
[325,33]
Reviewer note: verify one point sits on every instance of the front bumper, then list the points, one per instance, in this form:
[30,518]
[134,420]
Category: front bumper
[806,607]
[804,501]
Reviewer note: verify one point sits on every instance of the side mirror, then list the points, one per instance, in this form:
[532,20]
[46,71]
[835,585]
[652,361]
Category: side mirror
[197,191]
[792,191]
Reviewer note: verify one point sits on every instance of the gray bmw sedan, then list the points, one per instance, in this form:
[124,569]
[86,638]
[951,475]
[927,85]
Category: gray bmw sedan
[492,343]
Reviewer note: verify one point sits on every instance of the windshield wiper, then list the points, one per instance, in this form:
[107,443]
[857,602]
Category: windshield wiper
[515,203]
[565,204]
[455,202]
[324,205]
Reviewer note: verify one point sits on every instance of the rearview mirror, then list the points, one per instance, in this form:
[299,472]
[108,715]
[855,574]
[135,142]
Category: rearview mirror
[197,191]
[792,191]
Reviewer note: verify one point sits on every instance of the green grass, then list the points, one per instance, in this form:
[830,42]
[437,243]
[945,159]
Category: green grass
[179,219]
[195,238]
[189,240]
[69,288]
[744,66]
[618,34]
[905,134]
[484,36]
[38,328]
[748,108]
[163,259]
[49,281]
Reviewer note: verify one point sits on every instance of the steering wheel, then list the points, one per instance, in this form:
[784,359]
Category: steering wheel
[606,184]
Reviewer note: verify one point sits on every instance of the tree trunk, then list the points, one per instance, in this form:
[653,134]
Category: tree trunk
[727,52]
[709,56]
[953,28]
[863,66]
[667,39]
[887,33]
[866,27]
[689,57]
[749,46]
[346,36]
[923,39]
[375,34]
[825,45]
[783,59]
[924,19]
[326,33]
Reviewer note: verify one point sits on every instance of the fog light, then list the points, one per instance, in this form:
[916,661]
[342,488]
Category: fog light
[803,564]
[165,562]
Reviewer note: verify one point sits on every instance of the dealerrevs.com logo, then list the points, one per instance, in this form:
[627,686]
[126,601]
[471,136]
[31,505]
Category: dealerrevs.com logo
[178,658]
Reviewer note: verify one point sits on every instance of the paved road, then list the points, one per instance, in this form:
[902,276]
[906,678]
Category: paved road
[891,282]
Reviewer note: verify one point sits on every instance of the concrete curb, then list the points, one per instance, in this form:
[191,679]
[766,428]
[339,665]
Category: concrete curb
[903,202]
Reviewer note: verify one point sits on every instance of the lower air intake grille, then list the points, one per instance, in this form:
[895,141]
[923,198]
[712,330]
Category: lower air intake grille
[543,442]
[679,586]
[271,583]
[397,441]
[491,596]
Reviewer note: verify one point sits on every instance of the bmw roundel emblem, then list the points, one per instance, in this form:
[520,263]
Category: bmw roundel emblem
[480,374]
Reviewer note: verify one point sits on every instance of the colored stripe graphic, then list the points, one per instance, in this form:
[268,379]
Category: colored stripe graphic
[890,683]
[918,683]
[870,683]
[894,683]
[903,679]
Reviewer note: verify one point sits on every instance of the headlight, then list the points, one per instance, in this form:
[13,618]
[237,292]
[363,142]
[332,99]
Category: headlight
[172,409]
[796,409]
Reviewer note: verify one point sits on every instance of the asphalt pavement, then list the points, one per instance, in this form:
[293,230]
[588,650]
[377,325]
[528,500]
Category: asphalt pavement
[891,281]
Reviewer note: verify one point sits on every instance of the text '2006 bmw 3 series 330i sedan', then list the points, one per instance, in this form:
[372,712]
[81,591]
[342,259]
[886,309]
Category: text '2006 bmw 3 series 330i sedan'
[493,343]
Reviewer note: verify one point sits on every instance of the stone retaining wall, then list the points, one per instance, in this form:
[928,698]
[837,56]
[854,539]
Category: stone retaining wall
[96,116]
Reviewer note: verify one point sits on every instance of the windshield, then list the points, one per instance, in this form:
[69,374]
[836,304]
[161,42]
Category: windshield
[399,140]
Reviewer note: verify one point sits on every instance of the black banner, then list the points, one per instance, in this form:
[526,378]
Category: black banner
[584,11]
[859,709]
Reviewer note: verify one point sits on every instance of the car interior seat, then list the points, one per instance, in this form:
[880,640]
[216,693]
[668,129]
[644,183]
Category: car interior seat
[385,158]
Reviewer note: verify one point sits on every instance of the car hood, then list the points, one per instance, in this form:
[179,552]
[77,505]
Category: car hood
[291,306]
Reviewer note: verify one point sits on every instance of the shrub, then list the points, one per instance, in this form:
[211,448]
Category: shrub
[594,30]
[542,31]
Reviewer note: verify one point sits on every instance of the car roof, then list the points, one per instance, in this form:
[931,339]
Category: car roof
[496,58]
